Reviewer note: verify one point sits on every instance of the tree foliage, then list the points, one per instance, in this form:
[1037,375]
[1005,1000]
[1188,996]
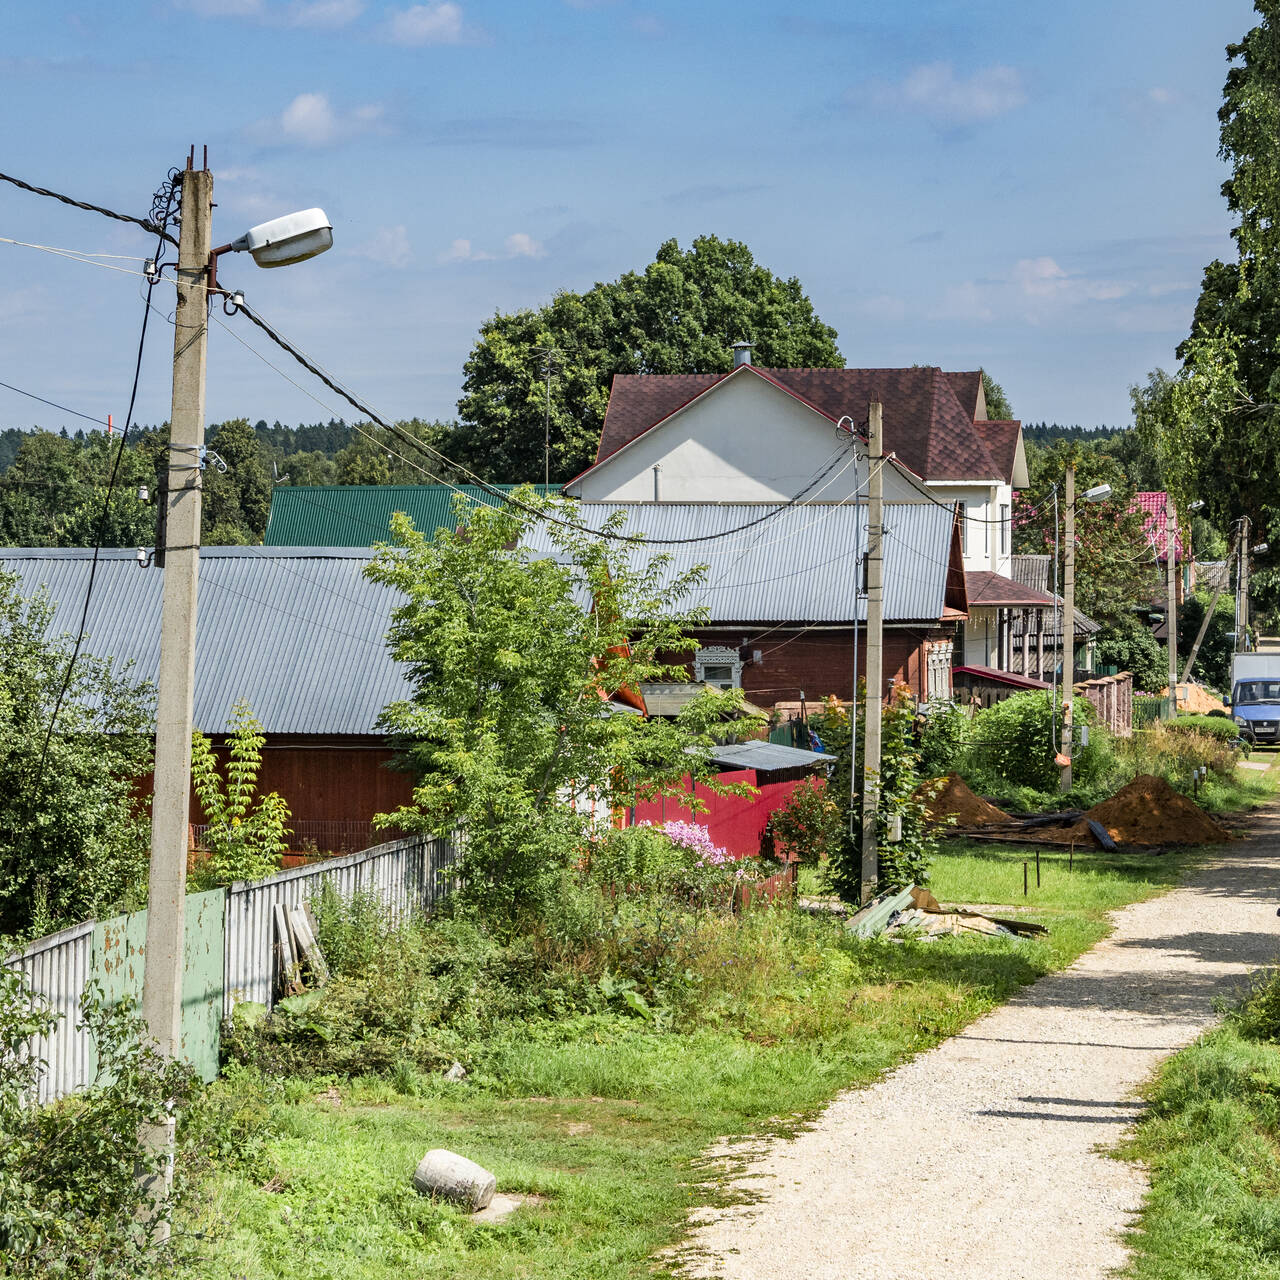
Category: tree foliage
[680,315]
[1115,563]
[512,658]
[998,407]
[74,838]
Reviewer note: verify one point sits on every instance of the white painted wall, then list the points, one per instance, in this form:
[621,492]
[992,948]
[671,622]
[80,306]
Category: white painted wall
[744,441]
[986,545]
[980,643]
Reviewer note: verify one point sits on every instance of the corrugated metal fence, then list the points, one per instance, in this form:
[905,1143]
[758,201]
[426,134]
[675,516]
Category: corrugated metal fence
[406,874]
[230,937]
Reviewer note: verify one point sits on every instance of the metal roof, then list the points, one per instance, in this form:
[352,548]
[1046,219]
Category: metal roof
[297,632]
[358,515]
[767,756]
[799,565]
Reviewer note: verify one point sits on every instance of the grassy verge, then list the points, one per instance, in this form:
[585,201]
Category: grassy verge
[602,1115]
[1211,1140]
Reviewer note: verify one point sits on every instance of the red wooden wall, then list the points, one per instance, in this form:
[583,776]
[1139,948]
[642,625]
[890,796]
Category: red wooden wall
[735,823]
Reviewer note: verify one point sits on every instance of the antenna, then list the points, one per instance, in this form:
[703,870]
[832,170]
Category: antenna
[550,356]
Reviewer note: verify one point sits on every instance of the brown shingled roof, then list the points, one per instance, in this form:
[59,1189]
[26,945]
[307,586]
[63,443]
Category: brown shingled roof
[925,423]
[994,590]
[1002,443]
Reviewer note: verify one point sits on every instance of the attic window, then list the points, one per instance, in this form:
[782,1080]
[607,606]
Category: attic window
[718,666]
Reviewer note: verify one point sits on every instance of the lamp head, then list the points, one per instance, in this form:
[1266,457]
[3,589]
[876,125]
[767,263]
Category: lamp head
[1196,505]
[1099,493]
[283,241]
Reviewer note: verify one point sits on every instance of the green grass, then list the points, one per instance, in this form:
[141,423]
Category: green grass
[606,1118]
[1210,1141]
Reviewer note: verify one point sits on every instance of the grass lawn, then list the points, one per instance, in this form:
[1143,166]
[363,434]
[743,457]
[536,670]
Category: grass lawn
[605,1118]
[1211,1141]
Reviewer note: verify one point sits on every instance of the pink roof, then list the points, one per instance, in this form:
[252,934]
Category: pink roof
[1152,504]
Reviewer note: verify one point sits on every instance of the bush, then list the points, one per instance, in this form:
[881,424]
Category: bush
[70,1199]
[806,829]
[1013,745]
[1215,726]
[1175,754]
[943,738]
[1128,645]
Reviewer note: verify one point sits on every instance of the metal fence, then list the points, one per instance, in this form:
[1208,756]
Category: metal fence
[408,875]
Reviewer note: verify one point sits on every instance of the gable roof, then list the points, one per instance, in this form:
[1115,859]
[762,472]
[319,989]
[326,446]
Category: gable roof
[298,632]
[798,566]
[1002,439]
[994,590]
[358,515]
[926,424]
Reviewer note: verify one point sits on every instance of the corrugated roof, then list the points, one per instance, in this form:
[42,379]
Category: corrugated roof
[801,565]
[358,515]
[298,632]
[766,756]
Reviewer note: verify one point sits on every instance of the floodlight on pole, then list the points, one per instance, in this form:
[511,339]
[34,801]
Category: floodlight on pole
[280,242]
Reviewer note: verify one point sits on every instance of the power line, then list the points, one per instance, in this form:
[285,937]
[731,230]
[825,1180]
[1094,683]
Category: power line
[313,368]
[53,404]
[159,228]
[167,207]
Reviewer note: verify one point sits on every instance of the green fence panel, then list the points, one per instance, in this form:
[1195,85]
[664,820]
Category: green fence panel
[119,949]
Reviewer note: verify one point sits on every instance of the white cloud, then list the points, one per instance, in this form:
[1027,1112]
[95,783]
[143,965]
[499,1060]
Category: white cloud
[1161,96]
[1044,278]
[521,245]
[311,120]
[935,90]
[437,23]
[389,246]
[324,13]
[518,245]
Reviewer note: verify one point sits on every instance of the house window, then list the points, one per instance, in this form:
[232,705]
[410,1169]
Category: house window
[938,672]
[964,529]
[1004,528]
[718,666]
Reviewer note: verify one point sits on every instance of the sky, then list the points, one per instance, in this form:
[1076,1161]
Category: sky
[1029,188]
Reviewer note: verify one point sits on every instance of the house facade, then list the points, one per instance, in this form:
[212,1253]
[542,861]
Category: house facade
[775,435]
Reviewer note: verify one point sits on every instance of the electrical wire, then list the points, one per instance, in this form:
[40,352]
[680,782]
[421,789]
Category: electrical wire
[106,508]
[158,228]
[53,404]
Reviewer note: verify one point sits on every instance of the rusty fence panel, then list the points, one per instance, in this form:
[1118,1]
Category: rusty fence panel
[57,970]
[408,875]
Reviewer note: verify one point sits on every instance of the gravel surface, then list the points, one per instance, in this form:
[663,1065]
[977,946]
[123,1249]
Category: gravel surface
[980,1160]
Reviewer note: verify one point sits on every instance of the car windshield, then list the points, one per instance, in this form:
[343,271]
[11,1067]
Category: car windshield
[1255,691]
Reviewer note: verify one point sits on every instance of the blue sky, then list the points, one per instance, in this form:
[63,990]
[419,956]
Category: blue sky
[1030,188]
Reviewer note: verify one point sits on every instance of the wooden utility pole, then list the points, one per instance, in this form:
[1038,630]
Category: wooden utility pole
[1068,621]
[1171,566]
[170,806]
[1242,589]
[875,653]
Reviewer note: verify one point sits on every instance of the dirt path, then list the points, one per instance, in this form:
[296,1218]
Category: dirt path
[978,1160]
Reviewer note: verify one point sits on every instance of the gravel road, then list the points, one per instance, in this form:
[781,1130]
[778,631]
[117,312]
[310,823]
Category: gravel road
[980,1160]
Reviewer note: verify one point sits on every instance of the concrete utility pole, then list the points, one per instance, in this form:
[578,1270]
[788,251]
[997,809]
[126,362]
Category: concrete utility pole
[1209,612]
[875,652]
[1242,589]
[1171,566]
[1068,621]
[170,807]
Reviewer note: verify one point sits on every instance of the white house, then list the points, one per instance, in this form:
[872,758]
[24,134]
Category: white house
[771,435]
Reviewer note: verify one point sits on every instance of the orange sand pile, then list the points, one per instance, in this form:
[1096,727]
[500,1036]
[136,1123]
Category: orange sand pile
[1150,811]
[955,800]
[1196,699]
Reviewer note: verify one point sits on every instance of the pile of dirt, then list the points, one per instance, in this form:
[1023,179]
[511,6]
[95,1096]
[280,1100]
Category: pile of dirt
[1196,699]
[954,800]
[1149,812]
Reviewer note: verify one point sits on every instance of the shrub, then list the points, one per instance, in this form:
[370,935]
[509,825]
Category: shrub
[943,738]
[807,828]
[247,832]
[1013,745]
[71,1203]
[1174,754]
[1128,645]
[1215,726]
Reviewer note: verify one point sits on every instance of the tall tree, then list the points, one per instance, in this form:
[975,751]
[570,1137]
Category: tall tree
[998,407]
[1214,426]
[680,315]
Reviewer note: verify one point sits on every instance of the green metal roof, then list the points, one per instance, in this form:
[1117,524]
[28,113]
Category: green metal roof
[358,515]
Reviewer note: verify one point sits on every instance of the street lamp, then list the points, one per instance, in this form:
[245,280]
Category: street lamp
[1099,493]
[273,244]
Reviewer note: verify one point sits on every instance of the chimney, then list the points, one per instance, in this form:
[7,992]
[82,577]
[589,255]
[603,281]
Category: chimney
[741,353]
